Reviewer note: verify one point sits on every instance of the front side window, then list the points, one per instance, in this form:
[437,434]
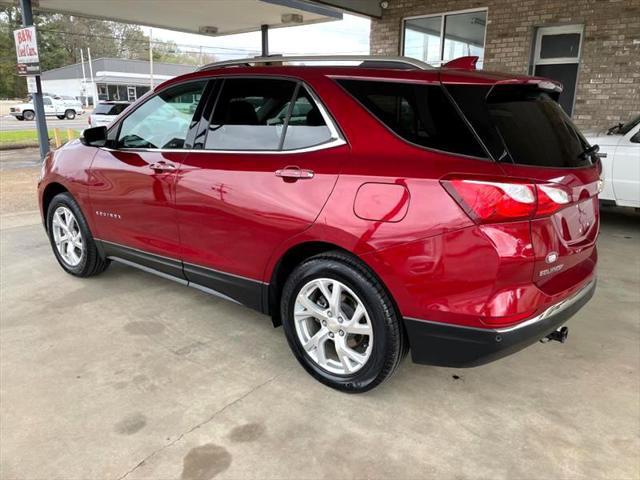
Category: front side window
[47,101]
[420,114]
[262,114]
[437,39]
[163,120]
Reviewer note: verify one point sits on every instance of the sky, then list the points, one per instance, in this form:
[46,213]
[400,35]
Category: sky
[349,36]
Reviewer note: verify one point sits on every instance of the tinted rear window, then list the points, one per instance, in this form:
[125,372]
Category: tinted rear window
[420,114]
[109,108]
[522,125]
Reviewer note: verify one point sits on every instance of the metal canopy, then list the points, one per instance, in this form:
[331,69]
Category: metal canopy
[209,17]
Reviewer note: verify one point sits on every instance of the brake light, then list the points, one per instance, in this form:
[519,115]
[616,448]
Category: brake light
[488,201]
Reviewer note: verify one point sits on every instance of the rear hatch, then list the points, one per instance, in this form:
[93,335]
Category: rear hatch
[528,133]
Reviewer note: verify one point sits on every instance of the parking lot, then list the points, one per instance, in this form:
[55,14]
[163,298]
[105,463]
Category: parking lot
[132,376]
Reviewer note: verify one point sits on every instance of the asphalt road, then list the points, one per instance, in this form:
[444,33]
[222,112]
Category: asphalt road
[8,123]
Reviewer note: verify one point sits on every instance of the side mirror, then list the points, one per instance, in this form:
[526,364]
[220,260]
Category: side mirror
[94,137]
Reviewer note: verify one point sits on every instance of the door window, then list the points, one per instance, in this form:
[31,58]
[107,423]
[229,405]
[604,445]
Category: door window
[306,126]
[46,101]
[163,120]
[249,114]
[258,115]
[557,56]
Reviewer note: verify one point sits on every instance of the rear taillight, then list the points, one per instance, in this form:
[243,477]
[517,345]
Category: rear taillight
[489,201]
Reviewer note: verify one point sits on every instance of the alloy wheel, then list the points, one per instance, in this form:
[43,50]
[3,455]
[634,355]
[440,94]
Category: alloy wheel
[333,326]
[67,236]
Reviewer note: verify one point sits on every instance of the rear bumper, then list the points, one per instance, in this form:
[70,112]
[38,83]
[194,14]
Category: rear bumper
[447,345]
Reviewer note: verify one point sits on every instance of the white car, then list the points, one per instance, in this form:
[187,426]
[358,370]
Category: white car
[54,106]
[621,165]
[106,112]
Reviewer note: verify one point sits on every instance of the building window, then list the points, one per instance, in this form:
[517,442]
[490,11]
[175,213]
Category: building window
[557,55]
[436,39]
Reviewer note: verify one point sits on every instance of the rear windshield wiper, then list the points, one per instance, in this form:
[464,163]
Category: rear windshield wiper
[589,151]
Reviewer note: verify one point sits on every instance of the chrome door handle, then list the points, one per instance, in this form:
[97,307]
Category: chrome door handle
[294,172]
[162,166]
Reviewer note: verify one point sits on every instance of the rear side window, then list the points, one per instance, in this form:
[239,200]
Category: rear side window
[420,114]
[265,114]
[522,124]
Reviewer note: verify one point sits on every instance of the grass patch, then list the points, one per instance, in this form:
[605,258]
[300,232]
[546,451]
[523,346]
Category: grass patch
[22,137]
[18,136]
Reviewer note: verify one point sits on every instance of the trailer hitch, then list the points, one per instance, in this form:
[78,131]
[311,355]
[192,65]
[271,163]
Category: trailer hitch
[559,335]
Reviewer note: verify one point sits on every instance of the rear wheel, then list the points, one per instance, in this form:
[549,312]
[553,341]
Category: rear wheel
[71,240]
[70,114]
[341,324]
[29,115]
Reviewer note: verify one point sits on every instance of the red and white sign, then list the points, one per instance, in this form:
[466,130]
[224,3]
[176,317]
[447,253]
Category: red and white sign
[27,51]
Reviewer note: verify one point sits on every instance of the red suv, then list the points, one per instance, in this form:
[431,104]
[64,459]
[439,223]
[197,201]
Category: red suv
[370,210]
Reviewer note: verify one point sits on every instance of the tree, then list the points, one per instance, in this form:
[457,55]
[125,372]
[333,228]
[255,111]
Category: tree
[60,38]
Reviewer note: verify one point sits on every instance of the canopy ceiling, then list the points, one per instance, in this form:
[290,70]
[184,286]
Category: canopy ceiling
[210,17]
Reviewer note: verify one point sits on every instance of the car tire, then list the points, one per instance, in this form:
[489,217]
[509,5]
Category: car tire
[70,114]
[71,240]
[29,115]
[21,119]
[60,117]
[355,362]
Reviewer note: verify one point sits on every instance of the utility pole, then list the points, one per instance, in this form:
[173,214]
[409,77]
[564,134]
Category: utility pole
[264,29]
[151,58]
[84,81]
[94,92]
[41,123]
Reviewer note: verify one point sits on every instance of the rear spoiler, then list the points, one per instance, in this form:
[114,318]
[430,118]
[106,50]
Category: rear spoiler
[462,63]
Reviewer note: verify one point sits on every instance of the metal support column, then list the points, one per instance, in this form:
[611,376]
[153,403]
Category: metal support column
[41,123]
[264,29]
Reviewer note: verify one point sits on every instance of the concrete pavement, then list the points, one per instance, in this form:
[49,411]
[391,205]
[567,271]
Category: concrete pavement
[127,375]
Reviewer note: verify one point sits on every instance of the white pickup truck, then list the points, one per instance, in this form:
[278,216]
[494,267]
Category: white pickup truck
[54,106]
[621,165]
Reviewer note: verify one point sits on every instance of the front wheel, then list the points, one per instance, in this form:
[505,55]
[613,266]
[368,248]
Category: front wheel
[60,117]
[29,115]
[71,240]
[341,324]
[70,114]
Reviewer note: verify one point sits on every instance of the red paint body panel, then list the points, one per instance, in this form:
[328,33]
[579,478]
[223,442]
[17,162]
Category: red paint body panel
[235,211]
[378,197]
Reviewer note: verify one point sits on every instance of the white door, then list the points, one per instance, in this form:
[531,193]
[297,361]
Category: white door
[626,169]
[49,107]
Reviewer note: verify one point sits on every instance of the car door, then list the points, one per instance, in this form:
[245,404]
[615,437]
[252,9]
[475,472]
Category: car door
[132,192]
[49,107]
[257,176]
[626,169]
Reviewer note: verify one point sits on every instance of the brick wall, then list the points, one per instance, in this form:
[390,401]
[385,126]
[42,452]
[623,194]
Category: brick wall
[608,89]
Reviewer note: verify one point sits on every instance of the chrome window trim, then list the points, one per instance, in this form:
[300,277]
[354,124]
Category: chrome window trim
[336,140]
[321,146]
